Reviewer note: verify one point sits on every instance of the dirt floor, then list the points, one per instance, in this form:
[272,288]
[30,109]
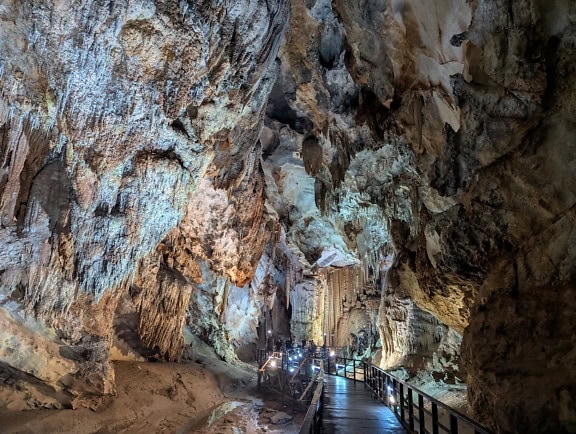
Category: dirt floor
[207,396]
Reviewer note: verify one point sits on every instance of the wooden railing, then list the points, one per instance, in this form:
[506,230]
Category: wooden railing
[295,377]
[313,420]
[416,410]
[345,367]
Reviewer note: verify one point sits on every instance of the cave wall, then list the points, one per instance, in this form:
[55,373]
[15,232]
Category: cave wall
[340,174]
[189,158]
[112,117]
[505,173]
[446,136]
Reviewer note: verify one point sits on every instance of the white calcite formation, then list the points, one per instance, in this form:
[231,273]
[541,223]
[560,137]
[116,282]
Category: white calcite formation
[110,116]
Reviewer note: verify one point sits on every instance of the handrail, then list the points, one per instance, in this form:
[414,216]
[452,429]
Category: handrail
[351,372]
[407,402]
[389,388]
[314,377]
[272,359]
[311,423]
[298,370]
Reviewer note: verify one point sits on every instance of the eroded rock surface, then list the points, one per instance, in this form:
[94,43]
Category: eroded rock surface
[110,116]
[399,174]
[446,128]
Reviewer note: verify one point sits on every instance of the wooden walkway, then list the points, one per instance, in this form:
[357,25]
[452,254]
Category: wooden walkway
[349,409]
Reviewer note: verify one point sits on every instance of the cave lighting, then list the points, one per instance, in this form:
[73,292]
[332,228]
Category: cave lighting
[273,363]
[332,353]
[391,400]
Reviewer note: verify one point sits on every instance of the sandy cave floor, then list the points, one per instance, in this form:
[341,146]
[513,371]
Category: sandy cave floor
[168,398]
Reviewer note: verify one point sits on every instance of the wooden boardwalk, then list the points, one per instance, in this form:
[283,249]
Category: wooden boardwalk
[349,409]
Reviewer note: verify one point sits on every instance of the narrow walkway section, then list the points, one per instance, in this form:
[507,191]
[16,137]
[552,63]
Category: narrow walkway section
[349,409]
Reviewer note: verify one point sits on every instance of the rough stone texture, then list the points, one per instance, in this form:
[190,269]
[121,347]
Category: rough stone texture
[110,115]
[429,144]
[446,129]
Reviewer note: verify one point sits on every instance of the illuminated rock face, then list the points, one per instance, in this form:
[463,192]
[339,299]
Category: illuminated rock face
[110,116]
[446,140]
[428,144]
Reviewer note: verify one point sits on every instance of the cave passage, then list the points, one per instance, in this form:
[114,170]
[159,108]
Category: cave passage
[386,188]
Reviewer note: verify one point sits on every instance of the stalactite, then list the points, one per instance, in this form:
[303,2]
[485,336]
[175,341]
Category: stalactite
[335,300]
[162,310]
[288,280]
[327,291]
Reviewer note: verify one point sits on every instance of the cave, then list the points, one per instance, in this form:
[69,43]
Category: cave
[195,194]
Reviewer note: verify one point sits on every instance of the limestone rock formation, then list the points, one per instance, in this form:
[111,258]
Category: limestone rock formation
[397,174]
[110,117]
[447,128]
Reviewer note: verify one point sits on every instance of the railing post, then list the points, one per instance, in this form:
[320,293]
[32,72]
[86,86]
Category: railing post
[453,424]
[410,410]
[354,365]
[385,388]
[370,383]
[421,415]
[321,409]
[435,429]
[394,393]
[402,416]
[369,373]
[345,368]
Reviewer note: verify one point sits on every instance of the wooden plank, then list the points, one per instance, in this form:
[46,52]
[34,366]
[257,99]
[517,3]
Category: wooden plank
[349,408]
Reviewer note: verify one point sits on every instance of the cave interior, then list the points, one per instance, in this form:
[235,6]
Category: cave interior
[183,184]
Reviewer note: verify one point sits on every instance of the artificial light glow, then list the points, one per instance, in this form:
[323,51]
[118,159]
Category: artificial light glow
[269,332]
[291,369]
[332,353]
[273,363]
[392,400]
